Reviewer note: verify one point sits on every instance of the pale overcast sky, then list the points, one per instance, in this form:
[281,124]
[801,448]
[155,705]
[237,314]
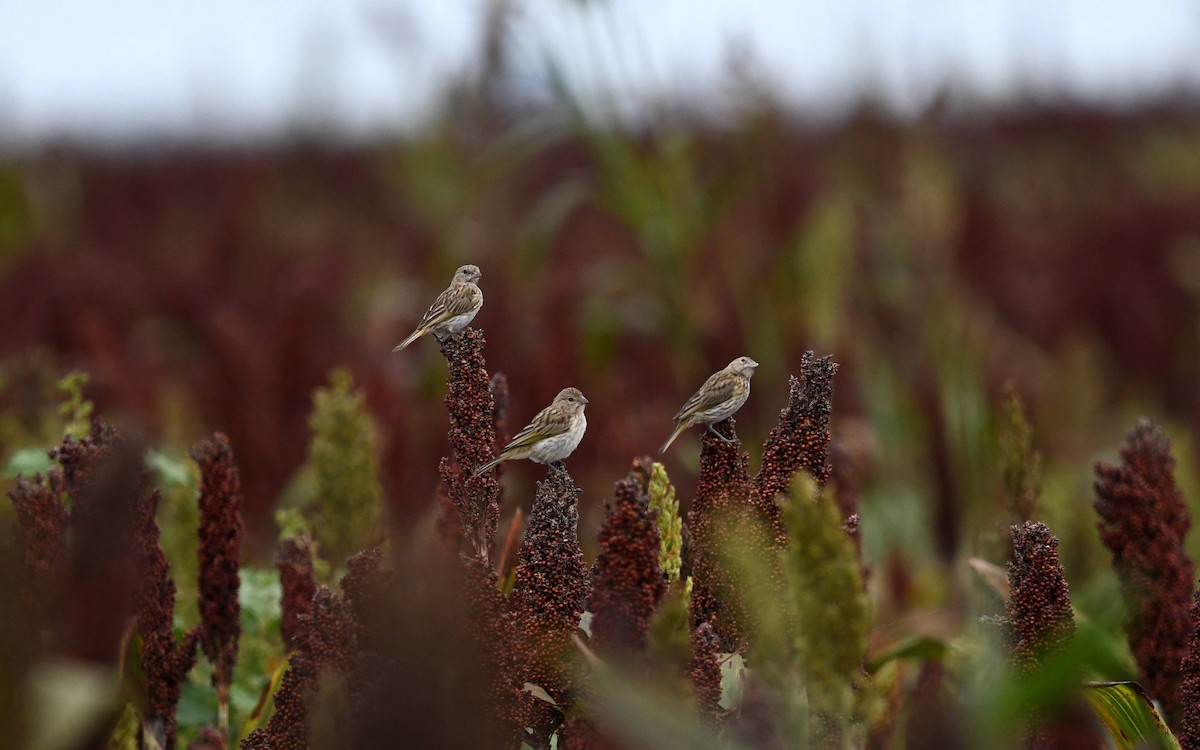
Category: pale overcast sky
[131,68]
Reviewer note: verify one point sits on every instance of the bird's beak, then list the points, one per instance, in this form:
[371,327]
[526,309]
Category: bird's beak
[584,399]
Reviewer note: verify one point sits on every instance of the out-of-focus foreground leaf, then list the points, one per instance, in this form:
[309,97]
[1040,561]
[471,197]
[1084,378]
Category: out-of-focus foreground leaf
[27,462]
[71,701]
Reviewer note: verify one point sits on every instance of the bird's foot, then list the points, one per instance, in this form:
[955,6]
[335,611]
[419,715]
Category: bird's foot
[722,438]
[558,466]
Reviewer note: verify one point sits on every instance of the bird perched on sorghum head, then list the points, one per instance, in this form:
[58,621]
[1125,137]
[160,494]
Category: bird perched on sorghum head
[552,435]
[453,310]
[721,395]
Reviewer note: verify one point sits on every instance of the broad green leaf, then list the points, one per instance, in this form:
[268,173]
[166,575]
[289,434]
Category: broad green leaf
[27,462]
[125,734]
[1129,715]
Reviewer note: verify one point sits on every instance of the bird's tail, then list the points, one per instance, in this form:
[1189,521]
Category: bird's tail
[679,428]
[490,464]
[411,338]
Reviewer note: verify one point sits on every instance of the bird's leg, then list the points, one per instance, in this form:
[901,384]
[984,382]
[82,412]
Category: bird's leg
[559,466]
[722,438]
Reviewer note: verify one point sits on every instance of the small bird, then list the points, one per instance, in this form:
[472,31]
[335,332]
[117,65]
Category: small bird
[721,395]
[453,310]
[552,435]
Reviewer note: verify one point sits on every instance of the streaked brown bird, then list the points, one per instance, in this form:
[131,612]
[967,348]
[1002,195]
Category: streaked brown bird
[721,395]
[552,435]
[453,310]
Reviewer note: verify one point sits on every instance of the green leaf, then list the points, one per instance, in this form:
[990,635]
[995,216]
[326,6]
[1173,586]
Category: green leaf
[1129,715]
[993,575]
[265,699]
[538,692]
[27,462]
[259,594]
[733,668]
[920,647]
[506,585]
[170,473]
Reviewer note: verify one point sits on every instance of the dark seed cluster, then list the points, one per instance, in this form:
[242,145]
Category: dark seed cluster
[473,417]
[1143,521]
[220,555]
[42,525]
[165,662]
[550,592]
[722,494]
[298,583]
[1189,685]
[1039,606]
[704,670]
[800,440]
[627,582]
[726,520]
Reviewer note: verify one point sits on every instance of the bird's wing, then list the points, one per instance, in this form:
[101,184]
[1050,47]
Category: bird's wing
[548,423]
[456,300]
[719,388]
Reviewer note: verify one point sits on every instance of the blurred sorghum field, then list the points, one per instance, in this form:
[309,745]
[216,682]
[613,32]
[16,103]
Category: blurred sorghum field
[935,262]
[208,291]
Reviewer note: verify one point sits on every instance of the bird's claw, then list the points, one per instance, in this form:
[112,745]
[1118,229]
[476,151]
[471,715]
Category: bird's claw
[722,438]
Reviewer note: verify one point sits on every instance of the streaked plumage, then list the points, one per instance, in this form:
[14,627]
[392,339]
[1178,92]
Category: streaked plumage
[721,395]
[453,310]
[552,435]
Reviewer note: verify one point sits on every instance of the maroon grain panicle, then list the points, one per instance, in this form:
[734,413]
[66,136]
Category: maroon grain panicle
[473,417]
[78,459]
[500,653]
[704,671]
[363,585]
[165,661]
[1189,685]
[800,439]
[724,509]
[627,580]
[41,528]
[298,583]
[550,592]
[1143,521]
[220,556]
[326,641]
[100,597]
[723,485]
[1039,605]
